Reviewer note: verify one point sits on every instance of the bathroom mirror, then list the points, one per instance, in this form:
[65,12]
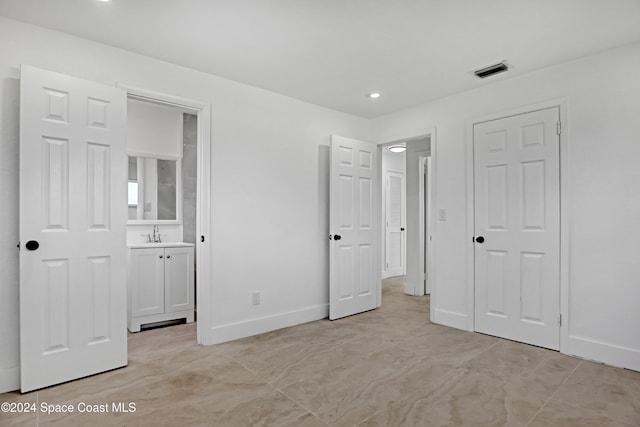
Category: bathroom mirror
[153,189]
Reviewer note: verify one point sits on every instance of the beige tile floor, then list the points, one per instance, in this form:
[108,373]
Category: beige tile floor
[387,367]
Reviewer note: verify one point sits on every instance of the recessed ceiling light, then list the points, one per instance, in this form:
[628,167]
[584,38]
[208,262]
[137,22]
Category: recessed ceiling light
[397,148]
[104,0]
[374,95]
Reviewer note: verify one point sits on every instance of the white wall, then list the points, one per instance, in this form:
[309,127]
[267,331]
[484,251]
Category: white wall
[270,181]
[154,129]
[602,314]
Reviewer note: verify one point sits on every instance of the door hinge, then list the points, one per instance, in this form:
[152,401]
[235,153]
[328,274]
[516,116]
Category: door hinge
[559,128]
[559,319]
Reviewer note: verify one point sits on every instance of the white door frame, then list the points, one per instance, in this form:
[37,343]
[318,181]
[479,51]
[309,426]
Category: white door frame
[422,133]
[562,104]
[426,227]
[203,200]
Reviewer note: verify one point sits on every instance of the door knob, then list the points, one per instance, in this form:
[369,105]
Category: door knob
[159,256]
[480,239]
[337,237]
[32,245]
[168,256]
[401,228]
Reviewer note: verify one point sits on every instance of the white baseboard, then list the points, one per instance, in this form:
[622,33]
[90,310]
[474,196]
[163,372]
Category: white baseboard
[409,289]
[609,354]
[451,318]
[234,331]
[9,379]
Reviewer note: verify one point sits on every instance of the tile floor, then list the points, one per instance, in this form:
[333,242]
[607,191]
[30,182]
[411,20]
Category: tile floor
[387,367]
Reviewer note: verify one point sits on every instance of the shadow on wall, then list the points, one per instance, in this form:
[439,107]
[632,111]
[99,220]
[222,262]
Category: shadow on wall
[324,159]
[189,176]
[9,225]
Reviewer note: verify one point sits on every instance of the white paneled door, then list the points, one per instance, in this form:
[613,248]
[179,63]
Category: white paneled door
[72,228]
[354,227]
[394,224]
[517,227]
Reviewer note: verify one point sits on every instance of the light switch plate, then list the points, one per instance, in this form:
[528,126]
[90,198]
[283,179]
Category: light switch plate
[255,298]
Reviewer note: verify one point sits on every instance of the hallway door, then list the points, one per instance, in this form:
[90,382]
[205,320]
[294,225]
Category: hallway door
[354,225]
[72,228]
[517,227]
[395,224]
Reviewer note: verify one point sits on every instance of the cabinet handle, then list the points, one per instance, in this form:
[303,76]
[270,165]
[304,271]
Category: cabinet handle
[168,256]
[160,256]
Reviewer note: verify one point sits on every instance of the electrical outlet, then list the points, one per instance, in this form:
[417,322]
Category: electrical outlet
[442,214]
[255,298]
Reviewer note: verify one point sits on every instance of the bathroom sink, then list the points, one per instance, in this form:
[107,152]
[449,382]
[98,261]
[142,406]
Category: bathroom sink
[142,245]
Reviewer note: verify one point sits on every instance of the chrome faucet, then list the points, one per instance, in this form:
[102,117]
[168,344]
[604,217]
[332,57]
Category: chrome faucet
[156,234]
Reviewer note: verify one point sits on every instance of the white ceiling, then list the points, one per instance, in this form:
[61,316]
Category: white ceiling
[333,52]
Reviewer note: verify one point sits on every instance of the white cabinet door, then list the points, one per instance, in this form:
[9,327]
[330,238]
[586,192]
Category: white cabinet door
[517,214]
[72,228]
[355,227]
[178,277]
[147,281]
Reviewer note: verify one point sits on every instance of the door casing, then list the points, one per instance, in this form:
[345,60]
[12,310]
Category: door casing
[428,132]
[562,104]
[426,226]
[202,110]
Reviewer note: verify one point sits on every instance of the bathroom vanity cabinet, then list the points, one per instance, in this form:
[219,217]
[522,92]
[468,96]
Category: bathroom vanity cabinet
[160,283]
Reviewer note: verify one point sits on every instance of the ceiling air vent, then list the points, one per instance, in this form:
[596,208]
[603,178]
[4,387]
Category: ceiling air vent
[491,70]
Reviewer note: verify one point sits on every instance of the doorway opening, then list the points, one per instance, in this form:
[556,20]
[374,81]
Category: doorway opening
[393,180]
[173,211]
[417,231]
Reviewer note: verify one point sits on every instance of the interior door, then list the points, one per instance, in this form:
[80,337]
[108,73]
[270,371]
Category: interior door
[72,228]
[395,222]
[354,224]
[517,227]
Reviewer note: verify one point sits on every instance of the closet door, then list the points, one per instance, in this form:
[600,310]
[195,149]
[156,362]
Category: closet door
[517,227]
